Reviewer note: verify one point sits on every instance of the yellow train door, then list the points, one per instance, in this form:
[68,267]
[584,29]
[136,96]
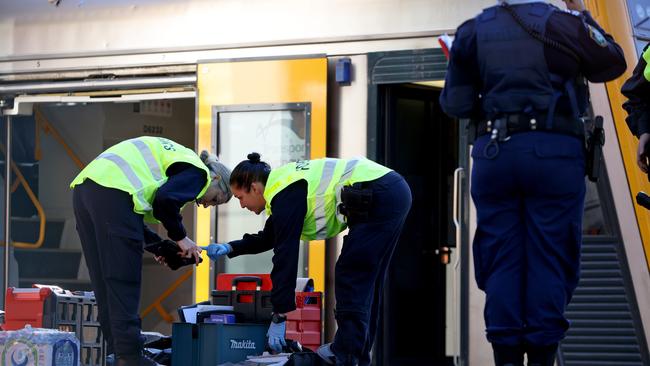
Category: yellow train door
[276,108]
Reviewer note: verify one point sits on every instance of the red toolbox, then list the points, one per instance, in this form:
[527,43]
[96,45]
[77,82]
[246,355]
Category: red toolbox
[252,291]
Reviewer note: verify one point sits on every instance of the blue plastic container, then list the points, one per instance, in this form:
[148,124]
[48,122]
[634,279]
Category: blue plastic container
[209,344]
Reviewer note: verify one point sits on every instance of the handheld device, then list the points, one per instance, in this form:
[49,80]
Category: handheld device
[169,250]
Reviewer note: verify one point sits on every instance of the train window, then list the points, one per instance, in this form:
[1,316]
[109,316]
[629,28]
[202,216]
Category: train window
[280,133]
[640,18]
[593,221]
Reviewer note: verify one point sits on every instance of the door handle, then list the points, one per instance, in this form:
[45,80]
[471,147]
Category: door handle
[459,173]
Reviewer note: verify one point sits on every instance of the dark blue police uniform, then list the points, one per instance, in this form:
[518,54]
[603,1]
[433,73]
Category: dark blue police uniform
[525,94]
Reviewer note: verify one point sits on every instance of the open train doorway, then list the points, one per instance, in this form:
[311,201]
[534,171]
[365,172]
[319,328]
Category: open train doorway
[415,138]
[50,145]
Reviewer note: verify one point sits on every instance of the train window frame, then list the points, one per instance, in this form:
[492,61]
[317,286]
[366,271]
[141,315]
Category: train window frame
[218,111]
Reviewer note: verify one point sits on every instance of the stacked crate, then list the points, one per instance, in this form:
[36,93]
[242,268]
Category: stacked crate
[55,308]
[250,295]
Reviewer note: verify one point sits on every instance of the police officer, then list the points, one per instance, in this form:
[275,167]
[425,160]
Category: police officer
[313,200]
[141,179]
[517,70]
[637,90]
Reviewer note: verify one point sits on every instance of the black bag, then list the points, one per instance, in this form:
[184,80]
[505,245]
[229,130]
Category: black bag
[356,203]
[305,359]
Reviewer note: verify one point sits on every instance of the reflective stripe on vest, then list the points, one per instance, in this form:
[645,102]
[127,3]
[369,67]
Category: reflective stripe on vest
[130,175]
[154,168]
[325,178]
[319,205]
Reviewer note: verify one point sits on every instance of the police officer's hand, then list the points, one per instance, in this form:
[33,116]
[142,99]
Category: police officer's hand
[641,156]
[217,250]
[189,249]
[577,5]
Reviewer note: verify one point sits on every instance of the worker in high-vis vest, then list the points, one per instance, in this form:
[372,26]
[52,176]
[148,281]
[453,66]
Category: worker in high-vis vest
[314,200]
[637,90]
[144,179]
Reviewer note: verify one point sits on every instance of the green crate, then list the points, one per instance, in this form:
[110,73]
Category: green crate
[213,344]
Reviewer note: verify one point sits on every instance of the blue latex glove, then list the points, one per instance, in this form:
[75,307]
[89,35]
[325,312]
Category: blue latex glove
[217,250]
[276,334]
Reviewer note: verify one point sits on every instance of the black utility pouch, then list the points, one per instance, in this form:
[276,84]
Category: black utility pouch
[356,203]
[595,139]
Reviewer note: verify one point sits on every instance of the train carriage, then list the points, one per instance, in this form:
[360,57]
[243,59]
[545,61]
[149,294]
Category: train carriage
[296,79]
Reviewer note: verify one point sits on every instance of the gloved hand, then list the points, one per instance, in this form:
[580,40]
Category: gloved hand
[276,334]
[217,250]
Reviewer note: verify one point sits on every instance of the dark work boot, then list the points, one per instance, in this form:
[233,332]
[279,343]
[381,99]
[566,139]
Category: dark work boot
[541,355]
[508,355]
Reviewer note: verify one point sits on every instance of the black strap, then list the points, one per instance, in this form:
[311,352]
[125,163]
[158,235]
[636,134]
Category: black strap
[535,34]
[516,123]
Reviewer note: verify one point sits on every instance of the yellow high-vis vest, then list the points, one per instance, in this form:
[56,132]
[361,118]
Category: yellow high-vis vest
[325,178]
[139,167]
[646,57]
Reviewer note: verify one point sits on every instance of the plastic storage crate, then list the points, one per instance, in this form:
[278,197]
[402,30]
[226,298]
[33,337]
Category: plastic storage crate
[55,308]
[304,324]
[250,296]
[210,344]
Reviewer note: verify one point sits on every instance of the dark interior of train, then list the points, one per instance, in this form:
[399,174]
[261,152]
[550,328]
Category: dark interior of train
[420,142]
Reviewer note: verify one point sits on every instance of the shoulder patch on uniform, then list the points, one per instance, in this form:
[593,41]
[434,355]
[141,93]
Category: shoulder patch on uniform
[597,36]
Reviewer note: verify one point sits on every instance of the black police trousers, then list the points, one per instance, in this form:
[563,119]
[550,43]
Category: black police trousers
[361,268]
[112,239]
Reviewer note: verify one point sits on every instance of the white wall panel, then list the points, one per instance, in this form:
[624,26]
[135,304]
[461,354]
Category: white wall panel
[37,27]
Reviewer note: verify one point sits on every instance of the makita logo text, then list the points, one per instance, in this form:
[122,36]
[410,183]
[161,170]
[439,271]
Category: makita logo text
[242,344]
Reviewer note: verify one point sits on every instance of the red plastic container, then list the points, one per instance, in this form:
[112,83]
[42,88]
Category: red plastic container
[303,324]
[224,282]
[25,306]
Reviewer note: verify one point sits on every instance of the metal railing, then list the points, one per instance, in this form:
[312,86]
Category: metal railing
[157,304]
[32,197]
[43,123]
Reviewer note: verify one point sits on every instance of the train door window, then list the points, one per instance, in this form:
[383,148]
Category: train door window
[640,18]
[280,133]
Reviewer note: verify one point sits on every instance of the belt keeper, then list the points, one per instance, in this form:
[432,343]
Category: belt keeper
[489,126]
[533,124]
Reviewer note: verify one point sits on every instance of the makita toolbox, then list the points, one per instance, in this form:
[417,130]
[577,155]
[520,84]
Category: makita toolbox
[208,344]
[250,296]
[55,308]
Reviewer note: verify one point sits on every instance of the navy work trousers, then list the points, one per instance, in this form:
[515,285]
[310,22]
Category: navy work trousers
[529,202]
[112,239]
[361,269]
